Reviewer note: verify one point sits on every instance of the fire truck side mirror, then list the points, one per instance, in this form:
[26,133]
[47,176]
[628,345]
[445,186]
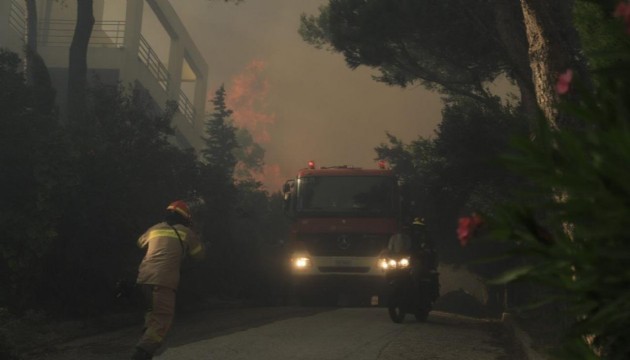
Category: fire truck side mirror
[287,189]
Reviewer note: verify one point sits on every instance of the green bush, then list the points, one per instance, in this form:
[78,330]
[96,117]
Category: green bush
[571,225]
[31,146]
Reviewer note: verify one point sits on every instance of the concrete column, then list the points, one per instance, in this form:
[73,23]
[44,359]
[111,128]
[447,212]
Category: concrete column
[133,27]
[199,102]
[44,13]
[175,63]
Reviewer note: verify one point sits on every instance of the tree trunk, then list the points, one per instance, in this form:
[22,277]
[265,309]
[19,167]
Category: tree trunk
[31,39]
[513,38]
[77,67]
[553,48]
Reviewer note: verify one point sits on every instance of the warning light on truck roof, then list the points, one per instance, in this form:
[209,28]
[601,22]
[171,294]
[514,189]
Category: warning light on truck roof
[311,164]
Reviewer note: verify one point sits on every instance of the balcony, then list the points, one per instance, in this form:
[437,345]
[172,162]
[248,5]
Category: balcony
[120,45]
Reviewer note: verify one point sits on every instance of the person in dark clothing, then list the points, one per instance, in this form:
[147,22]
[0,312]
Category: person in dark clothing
[425,264]
[423,245]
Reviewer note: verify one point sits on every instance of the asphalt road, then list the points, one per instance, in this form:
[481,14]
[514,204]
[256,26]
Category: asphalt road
[305,333]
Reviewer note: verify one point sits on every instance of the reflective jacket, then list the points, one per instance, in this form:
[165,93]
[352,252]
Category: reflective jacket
[165,251]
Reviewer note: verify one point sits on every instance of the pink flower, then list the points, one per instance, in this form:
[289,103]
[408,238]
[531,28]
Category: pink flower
[564,82]
[623,11]
[467,226]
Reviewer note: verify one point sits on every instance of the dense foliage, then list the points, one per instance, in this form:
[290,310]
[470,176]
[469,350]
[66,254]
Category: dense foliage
[571,223]
[455,171]
[76,197]
[453,47]
[33,180]
[239,219]
[71,203]
[458,169]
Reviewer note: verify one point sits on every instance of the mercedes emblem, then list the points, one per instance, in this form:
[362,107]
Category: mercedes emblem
[342,242]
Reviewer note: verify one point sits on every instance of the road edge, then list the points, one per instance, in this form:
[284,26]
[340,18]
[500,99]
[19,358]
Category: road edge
[521,338]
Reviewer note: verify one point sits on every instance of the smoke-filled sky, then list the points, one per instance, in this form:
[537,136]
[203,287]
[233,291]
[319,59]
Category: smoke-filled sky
[300,103]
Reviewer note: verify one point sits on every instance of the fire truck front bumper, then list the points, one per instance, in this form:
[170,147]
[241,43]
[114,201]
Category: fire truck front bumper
[338,273]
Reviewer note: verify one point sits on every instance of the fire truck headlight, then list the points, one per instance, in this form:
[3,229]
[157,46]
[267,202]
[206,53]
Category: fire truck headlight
[403,263]
[387,264]
[301,262]
[383,264]
[390,264]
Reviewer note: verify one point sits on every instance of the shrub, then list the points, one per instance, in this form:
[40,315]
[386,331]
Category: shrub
[571,225]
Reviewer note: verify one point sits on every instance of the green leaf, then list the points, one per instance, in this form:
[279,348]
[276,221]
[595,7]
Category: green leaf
[512,275]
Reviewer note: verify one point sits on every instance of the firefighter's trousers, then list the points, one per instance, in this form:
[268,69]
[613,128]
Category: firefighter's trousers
[160,310]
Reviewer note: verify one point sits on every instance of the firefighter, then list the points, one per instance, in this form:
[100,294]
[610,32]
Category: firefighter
[424,250]
[422,244]
[166,243]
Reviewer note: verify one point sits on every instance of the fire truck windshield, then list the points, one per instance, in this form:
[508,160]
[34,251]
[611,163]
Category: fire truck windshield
[347,195]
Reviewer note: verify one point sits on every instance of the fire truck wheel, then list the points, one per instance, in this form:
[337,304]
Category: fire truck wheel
[422,315]
[396,313]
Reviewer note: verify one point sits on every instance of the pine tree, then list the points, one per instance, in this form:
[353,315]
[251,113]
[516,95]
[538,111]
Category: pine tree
[220,138]
[218,189]
[249,156]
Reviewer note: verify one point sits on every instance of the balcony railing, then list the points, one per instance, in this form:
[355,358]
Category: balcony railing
[59,33]
[106,33]
[186,107]
[17,19]
[153,63]
[159,71]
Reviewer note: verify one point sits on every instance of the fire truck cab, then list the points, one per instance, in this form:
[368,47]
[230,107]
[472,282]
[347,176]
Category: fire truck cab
[341,220]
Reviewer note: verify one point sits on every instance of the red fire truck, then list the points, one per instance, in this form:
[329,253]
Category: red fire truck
[341,220]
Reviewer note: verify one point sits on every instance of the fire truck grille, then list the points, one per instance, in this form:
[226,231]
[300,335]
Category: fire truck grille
[346,244]
[345,269]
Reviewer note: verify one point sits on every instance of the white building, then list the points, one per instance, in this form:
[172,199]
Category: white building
[139,42]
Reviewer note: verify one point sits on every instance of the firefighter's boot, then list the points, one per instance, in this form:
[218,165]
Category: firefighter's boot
[141,354]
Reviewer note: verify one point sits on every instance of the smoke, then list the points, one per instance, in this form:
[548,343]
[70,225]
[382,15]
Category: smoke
[271,177]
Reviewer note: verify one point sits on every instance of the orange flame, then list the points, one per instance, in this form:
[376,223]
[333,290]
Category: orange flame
[271,177]
[247,97]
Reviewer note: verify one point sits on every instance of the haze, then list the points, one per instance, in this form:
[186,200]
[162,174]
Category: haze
[300,103]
